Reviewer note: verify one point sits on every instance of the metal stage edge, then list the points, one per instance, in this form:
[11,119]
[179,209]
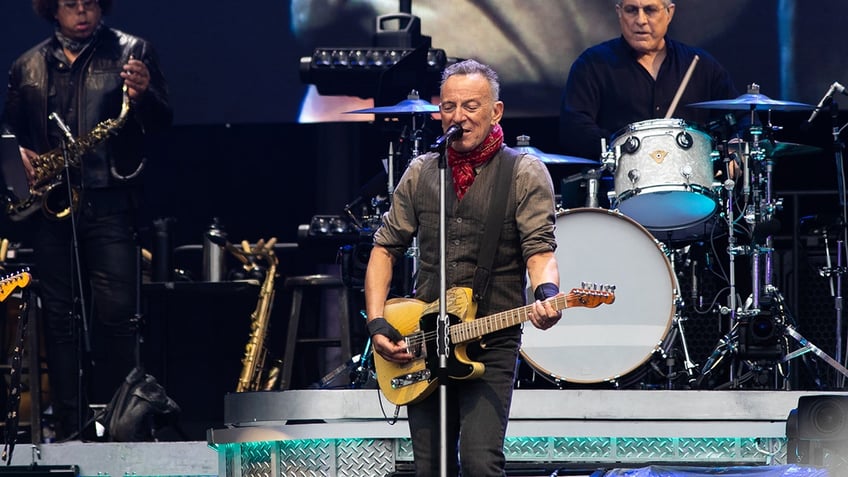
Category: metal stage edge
[344,432]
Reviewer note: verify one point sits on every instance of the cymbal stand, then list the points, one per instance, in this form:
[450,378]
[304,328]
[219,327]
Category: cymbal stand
[417,137]
[760,215]
[727,343]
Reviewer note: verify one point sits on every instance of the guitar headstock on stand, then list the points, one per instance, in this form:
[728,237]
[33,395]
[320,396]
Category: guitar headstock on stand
[10,283]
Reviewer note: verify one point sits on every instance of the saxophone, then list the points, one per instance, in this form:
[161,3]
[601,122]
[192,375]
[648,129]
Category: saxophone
[253,363]
[47,190]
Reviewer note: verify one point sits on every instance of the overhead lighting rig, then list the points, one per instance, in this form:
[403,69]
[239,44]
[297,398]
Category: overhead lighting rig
[400,60]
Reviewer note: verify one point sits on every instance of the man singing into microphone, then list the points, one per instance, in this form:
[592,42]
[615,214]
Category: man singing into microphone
[477,409]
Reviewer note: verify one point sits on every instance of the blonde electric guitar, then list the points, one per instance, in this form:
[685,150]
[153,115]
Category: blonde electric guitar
[13,282]
[417,322]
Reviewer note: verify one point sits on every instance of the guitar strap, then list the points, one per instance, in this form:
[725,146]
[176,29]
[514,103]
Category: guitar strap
[492,227]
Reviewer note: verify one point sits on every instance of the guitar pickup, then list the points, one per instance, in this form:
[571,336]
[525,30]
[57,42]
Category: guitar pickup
[416,346]
[411,378]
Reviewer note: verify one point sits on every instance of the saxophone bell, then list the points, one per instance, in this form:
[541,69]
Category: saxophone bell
[58,202]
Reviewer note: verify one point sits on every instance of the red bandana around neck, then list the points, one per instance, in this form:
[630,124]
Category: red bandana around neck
[462,164]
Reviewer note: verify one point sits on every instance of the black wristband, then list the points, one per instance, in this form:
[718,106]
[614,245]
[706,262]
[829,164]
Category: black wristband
[545,291]
[379,326]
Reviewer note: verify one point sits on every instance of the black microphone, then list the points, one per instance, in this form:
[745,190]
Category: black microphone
[453,132]
[834,88]
[64,127]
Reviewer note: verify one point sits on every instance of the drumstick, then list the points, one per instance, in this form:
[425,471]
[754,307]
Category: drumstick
[682,87]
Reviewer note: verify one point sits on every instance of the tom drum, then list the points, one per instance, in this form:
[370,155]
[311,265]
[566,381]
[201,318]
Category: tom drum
[664,174]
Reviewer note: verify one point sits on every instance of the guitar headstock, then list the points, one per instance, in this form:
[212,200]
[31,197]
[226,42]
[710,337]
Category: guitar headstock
[591,295]
[10,283]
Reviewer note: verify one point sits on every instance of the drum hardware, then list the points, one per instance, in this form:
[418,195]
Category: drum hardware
[591,178]
[830,271]
[836,131]
[752,101]
[522,144]
[678,331]
[758,330]
[411,105]
[727,342]
[365,212]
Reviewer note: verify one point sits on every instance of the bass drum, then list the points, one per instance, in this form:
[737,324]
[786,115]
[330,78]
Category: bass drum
[603,344]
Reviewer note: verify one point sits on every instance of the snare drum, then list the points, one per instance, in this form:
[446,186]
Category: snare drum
[595,345]
[664,174]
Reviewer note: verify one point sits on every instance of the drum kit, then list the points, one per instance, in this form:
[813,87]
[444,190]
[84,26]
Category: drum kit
[674,184]
[669,195]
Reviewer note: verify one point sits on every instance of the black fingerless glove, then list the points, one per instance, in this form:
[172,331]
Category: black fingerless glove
[379,326]
[545,291]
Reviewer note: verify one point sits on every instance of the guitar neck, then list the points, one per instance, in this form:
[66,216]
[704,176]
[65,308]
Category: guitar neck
[477,328]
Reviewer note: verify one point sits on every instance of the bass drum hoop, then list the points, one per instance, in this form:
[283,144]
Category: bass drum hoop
[603,344]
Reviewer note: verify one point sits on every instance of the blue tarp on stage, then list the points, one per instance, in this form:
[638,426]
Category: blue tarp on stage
[736,471]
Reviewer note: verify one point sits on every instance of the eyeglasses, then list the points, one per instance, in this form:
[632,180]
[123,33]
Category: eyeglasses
[651,11]
[73,4]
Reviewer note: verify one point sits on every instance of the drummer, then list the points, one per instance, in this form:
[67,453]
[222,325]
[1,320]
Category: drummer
[635,78]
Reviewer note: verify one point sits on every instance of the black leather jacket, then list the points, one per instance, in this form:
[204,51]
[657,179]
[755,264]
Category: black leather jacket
[98,98]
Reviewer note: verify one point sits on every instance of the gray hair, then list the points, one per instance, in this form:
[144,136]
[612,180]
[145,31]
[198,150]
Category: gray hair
[667,3]
[470,67]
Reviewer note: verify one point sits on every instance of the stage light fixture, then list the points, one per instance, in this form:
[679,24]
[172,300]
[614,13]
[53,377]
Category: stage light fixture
[368,72]
[399,60]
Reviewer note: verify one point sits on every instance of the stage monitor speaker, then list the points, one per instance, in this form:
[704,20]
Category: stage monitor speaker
[823,418]
[817,433]
[40,471]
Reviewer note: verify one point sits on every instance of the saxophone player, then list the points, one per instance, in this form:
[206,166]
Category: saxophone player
[86,73]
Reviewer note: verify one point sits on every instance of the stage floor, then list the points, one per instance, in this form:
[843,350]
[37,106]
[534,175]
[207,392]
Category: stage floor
[345,432]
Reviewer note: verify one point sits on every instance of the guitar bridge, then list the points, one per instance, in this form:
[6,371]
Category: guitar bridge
[411,378]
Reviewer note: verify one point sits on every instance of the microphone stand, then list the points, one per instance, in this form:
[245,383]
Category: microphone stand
[66,157]
[843,238]
[442,338]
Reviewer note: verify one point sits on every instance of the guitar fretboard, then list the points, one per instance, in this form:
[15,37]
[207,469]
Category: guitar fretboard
[473,329]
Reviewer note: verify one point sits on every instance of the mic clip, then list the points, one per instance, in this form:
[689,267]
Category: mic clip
[453,132]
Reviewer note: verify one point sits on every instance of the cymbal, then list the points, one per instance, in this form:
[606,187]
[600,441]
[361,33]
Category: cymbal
[753,101]
[407,106]
[783,149]
[555,159]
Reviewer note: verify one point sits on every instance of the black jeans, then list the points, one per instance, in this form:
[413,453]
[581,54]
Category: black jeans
[477,414]
[107,252]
